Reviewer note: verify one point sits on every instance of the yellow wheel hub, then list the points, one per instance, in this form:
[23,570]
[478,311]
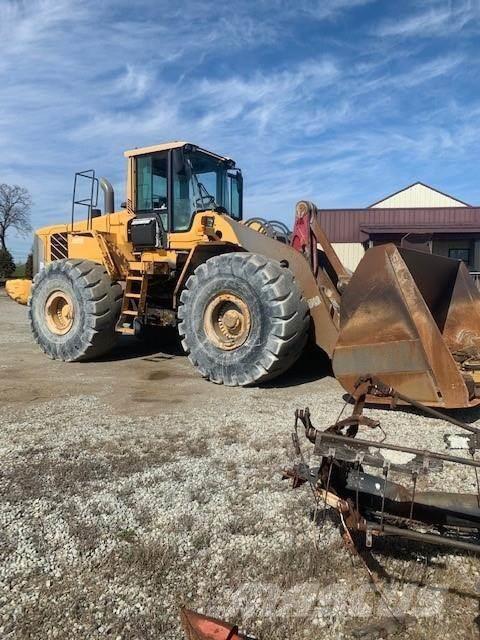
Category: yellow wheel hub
[59,313]
[227,321]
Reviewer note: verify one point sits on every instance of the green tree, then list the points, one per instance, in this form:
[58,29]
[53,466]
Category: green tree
[29,267]
[7,265]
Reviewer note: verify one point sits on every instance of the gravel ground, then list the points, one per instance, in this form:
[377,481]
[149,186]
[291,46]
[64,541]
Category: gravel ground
[130,487]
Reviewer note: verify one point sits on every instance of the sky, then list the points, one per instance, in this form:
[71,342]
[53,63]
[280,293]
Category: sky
[336,101]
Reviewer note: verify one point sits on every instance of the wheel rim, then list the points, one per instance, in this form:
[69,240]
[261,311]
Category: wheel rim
[227,321]
[59,313]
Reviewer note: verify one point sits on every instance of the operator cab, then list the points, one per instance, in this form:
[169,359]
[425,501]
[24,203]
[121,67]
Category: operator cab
[169,183]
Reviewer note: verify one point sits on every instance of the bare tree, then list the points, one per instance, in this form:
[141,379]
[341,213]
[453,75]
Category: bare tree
[15,204]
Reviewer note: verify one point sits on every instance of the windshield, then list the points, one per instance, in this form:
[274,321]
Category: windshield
[202,183]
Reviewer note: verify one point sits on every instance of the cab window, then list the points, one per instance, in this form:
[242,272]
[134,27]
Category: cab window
[234,194]
[152,193]
[199,184]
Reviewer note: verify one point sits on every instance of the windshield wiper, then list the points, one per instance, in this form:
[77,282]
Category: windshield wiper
[206,199]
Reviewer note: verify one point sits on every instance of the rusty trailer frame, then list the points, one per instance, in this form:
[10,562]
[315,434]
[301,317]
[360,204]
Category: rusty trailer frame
[373,504]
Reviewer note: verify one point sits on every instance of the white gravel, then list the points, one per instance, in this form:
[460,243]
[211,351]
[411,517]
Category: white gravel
[113,514]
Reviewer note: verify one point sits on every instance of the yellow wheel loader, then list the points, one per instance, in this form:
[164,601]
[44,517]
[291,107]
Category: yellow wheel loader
[176,253]
[245,296]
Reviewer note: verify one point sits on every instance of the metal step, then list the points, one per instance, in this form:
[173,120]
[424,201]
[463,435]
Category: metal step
[129,331]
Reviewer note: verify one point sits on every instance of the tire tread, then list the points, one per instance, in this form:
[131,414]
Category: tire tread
[286,340]
[101,300]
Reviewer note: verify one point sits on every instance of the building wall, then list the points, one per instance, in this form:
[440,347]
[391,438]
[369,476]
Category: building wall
[442,247]
[416,206]
[350,253]
[476,250]
[418,195]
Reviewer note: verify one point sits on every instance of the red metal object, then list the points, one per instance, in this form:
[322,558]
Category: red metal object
[200,627]
[309,237]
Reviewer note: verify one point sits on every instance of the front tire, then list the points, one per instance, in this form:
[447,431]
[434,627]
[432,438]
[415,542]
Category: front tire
[73,308]
[243,320]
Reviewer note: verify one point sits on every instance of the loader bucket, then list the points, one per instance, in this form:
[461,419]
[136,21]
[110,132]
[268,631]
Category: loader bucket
[412,319]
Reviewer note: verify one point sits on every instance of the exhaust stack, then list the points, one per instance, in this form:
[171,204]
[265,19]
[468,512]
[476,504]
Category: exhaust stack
[108,195]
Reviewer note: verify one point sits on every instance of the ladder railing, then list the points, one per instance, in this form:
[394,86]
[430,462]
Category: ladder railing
[91,193]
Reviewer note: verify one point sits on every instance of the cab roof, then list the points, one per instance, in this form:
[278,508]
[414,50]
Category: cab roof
[175,144]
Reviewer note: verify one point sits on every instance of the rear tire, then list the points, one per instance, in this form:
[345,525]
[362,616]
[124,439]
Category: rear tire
[73,309]
[242,318]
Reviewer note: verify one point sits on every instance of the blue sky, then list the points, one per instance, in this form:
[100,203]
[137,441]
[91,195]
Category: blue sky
[337,101]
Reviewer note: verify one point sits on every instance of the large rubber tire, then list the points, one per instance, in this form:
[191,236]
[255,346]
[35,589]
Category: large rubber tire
[96,302]
[279,319]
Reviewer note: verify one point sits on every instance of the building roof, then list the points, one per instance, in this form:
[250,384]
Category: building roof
[418,194]
[358,225]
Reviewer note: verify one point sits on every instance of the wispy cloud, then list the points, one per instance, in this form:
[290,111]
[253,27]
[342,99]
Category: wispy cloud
[135,82]
[381,78]
[437,19]
[318,9]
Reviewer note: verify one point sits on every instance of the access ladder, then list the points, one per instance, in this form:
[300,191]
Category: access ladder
[134,299]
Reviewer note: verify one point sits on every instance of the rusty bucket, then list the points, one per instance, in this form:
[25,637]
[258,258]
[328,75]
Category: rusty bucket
[412,319]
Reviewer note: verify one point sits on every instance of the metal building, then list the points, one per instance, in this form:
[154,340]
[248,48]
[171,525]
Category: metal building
[418,216]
